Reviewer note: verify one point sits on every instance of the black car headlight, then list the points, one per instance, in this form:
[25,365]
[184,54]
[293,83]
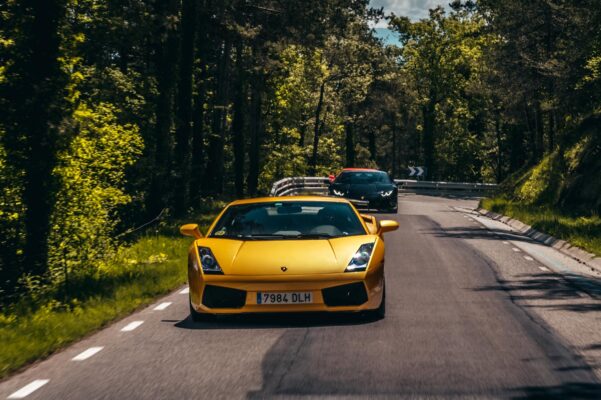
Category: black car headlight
[360,259]
[337,192]
[387,193]
[208,261]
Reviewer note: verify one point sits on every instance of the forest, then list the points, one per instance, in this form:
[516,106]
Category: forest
[113,112]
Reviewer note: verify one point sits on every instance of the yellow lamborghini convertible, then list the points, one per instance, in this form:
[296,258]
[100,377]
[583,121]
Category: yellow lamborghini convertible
[287,254]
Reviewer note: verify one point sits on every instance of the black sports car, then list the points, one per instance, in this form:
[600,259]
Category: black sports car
[366,185]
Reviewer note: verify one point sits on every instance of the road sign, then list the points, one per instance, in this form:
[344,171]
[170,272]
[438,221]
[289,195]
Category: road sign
[417,172]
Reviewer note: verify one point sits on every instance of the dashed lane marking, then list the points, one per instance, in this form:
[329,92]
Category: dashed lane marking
[29,389]
[544,269]
[516,249]
[162,306]
[529,258]
[87,353]
[185,291]
[131,326]
[505,242]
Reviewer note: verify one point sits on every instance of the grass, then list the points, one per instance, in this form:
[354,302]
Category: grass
[579,230]
[152,266]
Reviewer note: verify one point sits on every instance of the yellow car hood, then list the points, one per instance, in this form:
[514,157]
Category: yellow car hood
[298,257]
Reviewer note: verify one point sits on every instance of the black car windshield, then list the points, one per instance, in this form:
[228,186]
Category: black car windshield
[288,220]
[362,177]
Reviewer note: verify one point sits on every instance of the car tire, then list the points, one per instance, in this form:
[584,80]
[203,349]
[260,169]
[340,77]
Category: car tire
[195,316]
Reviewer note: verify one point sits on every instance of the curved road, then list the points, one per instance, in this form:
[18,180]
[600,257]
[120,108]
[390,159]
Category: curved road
[473,311]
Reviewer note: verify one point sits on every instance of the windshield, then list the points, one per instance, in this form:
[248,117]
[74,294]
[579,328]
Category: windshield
[363,177]
[288,220]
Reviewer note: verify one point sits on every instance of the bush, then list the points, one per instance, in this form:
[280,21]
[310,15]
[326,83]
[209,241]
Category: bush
[91,174]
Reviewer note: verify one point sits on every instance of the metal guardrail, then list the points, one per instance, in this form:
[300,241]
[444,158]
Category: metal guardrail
[319,185]
[413,186]
[300,185]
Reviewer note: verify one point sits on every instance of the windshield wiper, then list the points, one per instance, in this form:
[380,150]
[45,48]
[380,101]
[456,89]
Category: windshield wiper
[314,236]
[266,236]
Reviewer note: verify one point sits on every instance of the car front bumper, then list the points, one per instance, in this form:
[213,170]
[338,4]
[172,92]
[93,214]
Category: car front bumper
[347,292]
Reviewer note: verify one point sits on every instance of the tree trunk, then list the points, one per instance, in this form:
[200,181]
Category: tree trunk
[428,141]
[215,168]
[303,130]
[34,109]
[313,160]
[531,134]
[499,138]
[371,136]
[238,124]
[393,128]
[517,150]
[540,133]
[184,109]
[552,129]
[198,128]
[166,78]
[255,138]
[349,144]
[349,139]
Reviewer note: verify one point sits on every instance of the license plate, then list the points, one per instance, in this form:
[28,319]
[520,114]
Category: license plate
[284,297]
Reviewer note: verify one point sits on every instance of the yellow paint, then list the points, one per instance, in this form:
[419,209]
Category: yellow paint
[311,265]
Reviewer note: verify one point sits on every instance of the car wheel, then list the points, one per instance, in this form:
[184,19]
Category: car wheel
[198,317]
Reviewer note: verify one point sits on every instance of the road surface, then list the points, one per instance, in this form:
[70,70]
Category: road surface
[473,311]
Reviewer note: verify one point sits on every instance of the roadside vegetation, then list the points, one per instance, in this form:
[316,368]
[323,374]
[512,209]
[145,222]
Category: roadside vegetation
[51,317]
[561,195]
[579,230]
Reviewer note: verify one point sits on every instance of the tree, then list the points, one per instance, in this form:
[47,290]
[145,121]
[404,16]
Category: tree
[33,94]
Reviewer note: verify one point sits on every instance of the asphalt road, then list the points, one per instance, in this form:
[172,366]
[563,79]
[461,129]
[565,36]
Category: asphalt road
[471,312]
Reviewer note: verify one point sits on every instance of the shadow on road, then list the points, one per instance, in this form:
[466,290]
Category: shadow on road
[477,233]
[546,286]
[276,320]
[564,391]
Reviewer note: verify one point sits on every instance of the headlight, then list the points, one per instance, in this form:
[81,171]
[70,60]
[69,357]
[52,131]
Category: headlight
[208,261]
[338,192]
[360,258]
[386,194]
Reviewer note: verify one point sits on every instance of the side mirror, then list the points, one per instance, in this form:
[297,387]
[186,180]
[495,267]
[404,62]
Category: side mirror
[332,178]
[388,225]
[190,230]
[371,222]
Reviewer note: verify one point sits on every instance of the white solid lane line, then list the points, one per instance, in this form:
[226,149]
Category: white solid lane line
[162,306]
[29,389]
[529,258]
[131,326]
[87,354]
[185,291]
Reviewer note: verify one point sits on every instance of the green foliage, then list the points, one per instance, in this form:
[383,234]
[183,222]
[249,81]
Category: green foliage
[581,231]
[91,174]
[11,221]
[444,58]
[565,179]
[537,182]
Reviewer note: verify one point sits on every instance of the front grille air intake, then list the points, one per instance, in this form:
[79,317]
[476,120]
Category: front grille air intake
[222,297]
[352,294]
